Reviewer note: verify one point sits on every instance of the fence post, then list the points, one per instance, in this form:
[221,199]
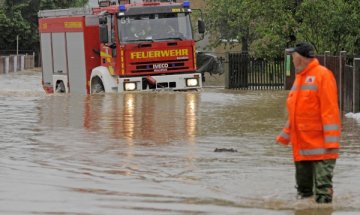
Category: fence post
[7,64]
[15,63]
[2,65]
[18,63]
[27,66]
[227,73]
[326,54]
[341,75]
[11,63]
[22,62]
[356,85]
[287,69]
[33,61]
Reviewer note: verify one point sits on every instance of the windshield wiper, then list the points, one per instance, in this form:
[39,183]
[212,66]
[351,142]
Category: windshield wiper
[140,40]
[170,38]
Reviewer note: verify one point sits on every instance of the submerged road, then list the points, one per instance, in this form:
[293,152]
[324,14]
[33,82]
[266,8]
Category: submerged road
[153,153]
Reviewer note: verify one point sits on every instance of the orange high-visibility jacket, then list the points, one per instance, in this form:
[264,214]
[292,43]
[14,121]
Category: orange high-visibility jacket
[313,125]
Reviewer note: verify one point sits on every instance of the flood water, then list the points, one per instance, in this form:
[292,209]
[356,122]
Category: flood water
[153,153]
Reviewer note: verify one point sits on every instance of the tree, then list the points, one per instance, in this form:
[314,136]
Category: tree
[13,24]
[229,23]
[266,28]
[263,27]
[328,25]
[274,27]
[19,18]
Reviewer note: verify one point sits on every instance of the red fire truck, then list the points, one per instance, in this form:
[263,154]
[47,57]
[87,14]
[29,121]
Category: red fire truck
[119,47]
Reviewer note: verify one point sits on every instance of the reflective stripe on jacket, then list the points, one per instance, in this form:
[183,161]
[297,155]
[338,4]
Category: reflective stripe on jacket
[313,126]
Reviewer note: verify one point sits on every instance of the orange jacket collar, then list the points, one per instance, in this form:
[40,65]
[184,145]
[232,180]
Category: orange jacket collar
[313,63]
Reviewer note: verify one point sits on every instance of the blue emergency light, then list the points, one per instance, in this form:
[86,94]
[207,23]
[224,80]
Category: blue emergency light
[186,4]
[122,8]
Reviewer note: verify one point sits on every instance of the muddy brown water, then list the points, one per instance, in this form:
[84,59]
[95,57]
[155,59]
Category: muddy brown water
[153,153]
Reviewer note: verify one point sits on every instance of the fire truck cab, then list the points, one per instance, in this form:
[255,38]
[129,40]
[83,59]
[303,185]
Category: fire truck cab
[119,47]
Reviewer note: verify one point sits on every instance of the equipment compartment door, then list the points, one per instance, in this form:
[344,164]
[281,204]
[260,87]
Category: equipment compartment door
[76,62]
[59,53]
[46,56]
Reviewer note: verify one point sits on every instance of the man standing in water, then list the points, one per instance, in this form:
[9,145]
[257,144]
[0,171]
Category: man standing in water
[313,126]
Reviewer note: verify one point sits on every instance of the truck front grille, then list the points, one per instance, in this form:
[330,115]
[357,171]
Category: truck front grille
[160,66]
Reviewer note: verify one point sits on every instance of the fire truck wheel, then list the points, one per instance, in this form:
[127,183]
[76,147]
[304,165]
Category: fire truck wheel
[60,87]
[97,86]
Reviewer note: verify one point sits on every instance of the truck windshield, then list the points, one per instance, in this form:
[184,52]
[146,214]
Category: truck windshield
[153,27]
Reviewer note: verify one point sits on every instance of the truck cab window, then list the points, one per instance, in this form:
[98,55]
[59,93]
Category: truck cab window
[163,26]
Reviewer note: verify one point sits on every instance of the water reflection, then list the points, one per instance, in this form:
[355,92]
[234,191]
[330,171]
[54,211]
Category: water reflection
[151,118]
[129,117]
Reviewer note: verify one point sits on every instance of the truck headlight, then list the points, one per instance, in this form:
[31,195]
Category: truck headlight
[129,86]
[192,82]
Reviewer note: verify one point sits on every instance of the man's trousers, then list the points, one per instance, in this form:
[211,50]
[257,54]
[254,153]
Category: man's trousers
[315,177]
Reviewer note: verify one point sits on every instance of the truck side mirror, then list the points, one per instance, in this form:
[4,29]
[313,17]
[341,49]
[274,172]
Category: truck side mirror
[104,37]
[201,26]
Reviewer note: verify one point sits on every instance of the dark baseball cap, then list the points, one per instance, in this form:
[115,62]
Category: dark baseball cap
[304,49]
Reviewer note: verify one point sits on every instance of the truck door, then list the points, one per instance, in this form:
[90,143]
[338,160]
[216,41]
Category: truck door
[108,47]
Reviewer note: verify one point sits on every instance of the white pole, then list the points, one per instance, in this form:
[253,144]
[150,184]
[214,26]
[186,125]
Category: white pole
[17,44]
